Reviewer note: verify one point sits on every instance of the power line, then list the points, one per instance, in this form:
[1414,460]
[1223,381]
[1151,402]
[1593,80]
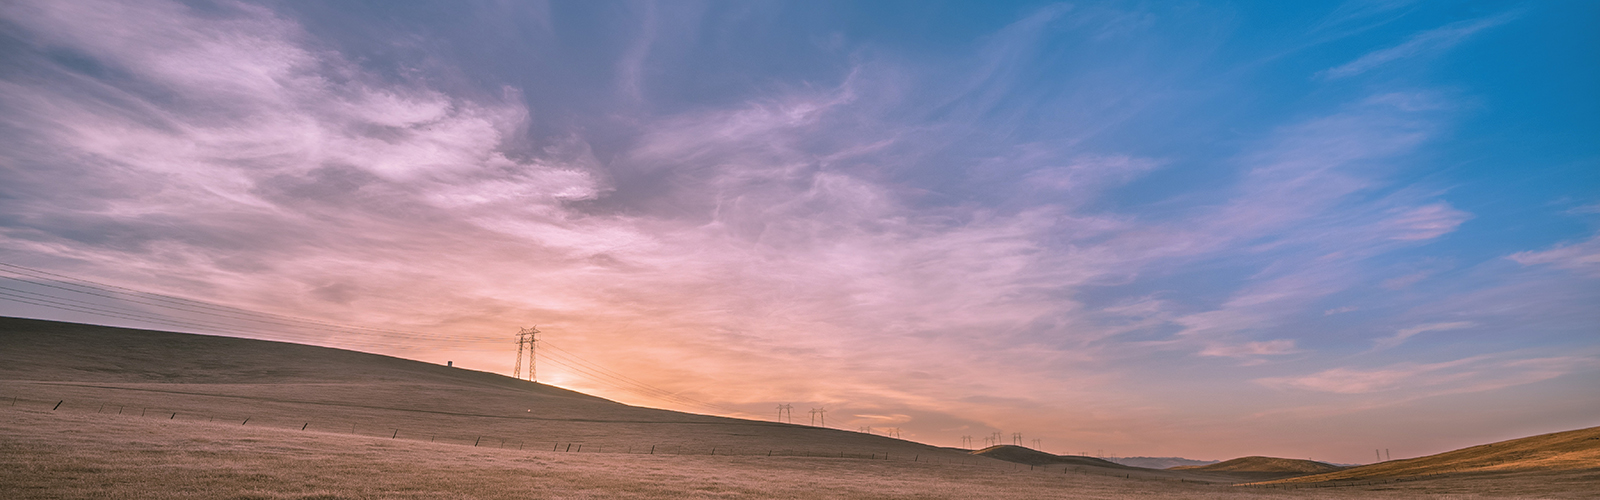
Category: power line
[180,303]
[556,352]
[640,389]
[227,321]
[208,325]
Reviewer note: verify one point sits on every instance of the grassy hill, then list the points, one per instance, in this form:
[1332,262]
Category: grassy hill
[1257,469]
[1568,451]
[297,386]
[1160,462]
[1265,464]
[1029,456]
[99,412]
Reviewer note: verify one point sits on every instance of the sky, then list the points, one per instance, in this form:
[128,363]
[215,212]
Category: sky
[1199,229]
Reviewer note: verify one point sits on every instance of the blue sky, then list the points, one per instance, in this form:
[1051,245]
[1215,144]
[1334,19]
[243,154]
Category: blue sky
[1203,229]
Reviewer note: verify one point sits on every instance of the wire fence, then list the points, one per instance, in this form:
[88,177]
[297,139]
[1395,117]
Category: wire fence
[447,437]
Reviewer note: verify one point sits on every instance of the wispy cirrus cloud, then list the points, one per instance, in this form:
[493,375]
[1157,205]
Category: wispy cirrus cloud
[1405,334]
[1420,44]
[1471,374]
[1582,257]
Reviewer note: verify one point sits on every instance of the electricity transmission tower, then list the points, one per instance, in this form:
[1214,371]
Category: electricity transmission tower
[994,439]
[819,414]
[786,410]
[527,338]
[1036,445]
[1016,438]
[966,442]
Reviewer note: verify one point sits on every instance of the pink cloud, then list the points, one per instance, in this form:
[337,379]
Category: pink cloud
[1472,374]
[1251,349]
[1426,222]
[1583,257]
[1404,334]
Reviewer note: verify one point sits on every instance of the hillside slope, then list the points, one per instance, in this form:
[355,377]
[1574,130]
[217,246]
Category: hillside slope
[1160,462]
[1577,450]
[292,386]
[1265,464]
[1029,456]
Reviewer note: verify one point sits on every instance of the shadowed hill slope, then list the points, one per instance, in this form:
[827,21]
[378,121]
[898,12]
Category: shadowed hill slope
[1090,465]
[1029,456]
[1577,450]
[1160,462]
[1265,464]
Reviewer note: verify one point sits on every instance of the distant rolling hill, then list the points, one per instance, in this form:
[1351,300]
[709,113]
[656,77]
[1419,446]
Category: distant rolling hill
[1029,456]
[1577,450]
[1255,469]
[1265,464]
[1090,465]
[1160,462]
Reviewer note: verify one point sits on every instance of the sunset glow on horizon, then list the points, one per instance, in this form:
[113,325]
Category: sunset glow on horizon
[1209,230]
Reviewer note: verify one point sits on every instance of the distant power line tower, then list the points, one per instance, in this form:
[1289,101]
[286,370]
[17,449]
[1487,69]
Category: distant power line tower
[819,414]
[527,339]
[786,411]
[1016,438]
[1036,445]
[994,439]
[966,442]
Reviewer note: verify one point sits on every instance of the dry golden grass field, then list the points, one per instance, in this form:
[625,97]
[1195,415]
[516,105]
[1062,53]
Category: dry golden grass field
[97,412]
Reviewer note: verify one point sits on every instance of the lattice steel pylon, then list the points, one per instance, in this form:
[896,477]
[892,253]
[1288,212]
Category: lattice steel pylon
[527,340]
